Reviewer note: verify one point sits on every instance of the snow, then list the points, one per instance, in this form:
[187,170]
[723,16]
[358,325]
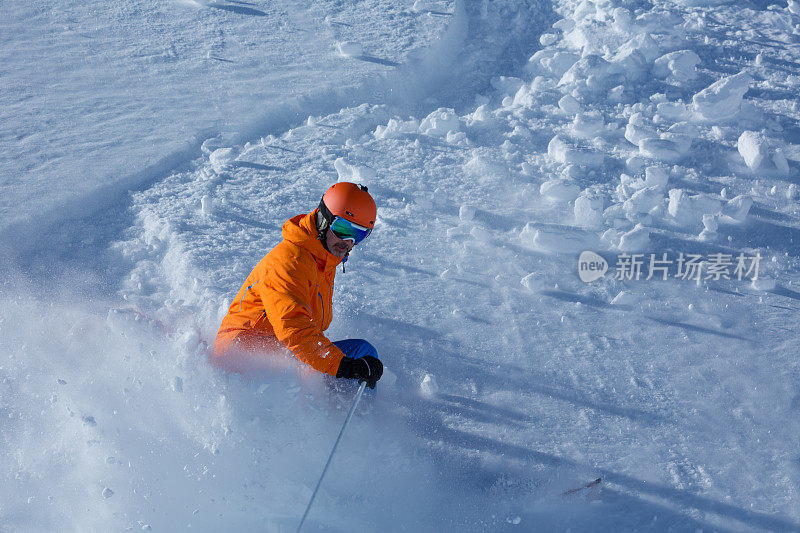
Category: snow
[722,99]
[439,123]
[688,209]
[667,148]
[566,151]
[353,172]
[656,177]
[677,67]
[753,148]
[557,239]
[350,49]
[569,105]
[624,298]
[152,151]
[737,208]
[428,386]
[559,190]
[102,98]
[588,211]
[634,240]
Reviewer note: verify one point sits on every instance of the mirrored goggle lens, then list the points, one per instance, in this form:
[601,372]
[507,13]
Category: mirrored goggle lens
[344,229]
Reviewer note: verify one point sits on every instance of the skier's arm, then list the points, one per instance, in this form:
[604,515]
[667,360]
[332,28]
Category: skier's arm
[286,295]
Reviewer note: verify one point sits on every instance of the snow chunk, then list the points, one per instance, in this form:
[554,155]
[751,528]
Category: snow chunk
[722,99]
[643,201]
[622,19]
[710,227]
[565,25]
[484,168]
[673,110]
[689,210]
[221,158]
[632,65]
[349,49]
[481,116]
[587,125]
[682,142]
[585,9]
[753,148]
[710,223]
[669,147]
[507,84]
[556,64]
[107,493]
[546,39]
[569,105]
[779,159]
[532,281]
[639,129]
[466,213]
[625,298]
[685,128]
[636,239]
[763,284]
[592,70]
[562,151]
[440,122]
[656,177]
[428,386]
[616,94]
[636,134]
[588,211]
[558,190]
[481,234]
[396,128]
[354,173]
[207,205]
[557,239]
[665,149]
[738,208]
[422,5]
[644,44]
[678,67]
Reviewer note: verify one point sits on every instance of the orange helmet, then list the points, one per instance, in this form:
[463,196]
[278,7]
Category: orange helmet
[349,201]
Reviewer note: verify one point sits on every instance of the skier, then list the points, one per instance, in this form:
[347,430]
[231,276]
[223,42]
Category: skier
[287,298]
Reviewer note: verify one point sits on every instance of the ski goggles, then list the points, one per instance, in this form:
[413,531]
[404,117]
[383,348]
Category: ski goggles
[346,230]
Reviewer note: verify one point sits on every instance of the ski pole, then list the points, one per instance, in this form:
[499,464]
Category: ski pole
[347,421]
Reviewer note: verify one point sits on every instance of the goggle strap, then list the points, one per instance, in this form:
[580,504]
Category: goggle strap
[326,214]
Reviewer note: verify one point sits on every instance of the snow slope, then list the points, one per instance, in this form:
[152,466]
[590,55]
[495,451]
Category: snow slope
[100,98]
[523,137]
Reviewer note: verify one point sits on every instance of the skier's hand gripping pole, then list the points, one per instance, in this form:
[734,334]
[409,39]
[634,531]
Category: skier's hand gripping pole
[366,369]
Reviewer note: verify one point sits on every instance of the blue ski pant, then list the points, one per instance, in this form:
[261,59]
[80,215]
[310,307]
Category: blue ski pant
[356,348]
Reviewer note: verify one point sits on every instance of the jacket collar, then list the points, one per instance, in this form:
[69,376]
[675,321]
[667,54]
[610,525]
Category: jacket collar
[302,231]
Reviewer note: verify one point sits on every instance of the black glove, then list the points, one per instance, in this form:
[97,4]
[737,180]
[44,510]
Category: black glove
[367,368]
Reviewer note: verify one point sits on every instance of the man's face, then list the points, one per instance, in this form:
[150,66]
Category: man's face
[337,246]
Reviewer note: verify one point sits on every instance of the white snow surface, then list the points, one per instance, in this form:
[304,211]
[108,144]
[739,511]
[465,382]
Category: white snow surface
[152,151]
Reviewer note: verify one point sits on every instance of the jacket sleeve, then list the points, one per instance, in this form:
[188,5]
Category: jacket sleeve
[285,293]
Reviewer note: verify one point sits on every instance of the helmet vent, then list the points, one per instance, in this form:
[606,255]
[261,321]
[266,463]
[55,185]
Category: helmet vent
[349,213]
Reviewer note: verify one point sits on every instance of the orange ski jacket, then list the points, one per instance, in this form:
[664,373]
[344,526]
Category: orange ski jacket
[288,297]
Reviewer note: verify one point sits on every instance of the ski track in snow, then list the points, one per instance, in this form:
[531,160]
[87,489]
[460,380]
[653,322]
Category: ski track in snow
[513,380]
